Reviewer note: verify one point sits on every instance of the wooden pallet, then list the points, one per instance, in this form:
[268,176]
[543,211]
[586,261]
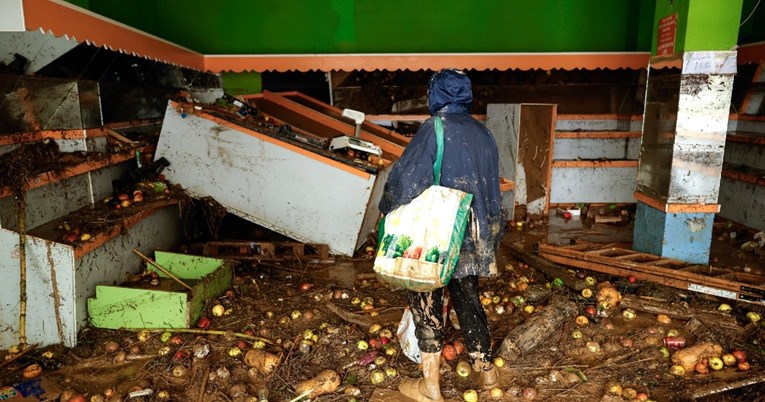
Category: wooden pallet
[265,251]
[666,271]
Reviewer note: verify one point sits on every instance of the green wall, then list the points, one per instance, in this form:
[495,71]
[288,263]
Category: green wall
[242,83]
[701,24]
[400,26]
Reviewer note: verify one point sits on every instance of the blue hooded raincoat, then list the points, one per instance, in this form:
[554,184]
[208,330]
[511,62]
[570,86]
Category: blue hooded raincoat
[470,164]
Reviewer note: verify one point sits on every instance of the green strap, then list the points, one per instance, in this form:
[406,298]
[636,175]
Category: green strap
[439,150]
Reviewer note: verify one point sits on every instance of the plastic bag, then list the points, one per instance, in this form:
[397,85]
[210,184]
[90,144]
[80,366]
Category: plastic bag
[407,338]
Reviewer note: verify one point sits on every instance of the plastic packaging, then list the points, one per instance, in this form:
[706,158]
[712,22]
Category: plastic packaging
[407,338]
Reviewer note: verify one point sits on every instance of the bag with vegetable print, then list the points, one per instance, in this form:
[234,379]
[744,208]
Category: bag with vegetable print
[419,242]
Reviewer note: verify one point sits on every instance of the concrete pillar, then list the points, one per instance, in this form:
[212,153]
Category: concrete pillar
[690,80]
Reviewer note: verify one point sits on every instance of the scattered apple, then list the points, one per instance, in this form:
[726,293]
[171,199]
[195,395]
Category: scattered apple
[204,323]
[740,355]
[729,360]
[743,366]
[715,363]
[463,369]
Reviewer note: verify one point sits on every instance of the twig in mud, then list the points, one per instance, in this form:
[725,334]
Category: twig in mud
[563,366]
[303,395]
[22,353]
[204,385]
[223,395]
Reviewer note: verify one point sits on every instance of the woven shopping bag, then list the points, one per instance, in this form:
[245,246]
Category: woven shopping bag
[419,243]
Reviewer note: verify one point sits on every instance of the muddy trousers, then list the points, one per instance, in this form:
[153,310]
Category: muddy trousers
[427,311]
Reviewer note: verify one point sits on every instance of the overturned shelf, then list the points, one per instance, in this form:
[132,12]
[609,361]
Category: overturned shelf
[275,172]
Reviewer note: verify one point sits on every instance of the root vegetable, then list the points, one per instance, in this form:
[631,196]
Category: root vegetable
[327,381]
[261,360]
[688,357]
[608,297]
[111,347]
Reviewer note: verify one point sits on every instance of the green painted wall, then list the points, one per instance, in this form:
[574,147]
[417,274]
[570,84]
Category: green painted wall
[713,24]
[242,83]
[365,26]
[701,24]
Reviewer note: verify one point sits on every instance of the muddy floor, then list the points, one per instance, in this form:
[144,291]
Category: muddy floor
[281,324]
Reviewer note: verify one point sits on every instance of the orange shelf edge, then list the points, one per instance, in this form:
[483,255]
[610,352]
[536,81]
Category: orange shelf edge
[676,208]
[595,164]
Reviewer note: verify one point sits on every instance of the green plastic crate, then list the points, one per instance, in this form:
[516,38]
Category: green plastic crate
[168,305]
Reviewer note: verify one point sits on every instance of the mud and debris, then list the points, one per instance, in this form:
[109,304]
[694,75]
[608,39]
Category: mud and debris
[328,331]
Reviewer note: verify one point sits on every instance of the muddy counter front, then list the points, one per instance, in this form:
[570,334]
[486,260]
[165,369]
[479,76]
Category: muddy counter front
[275,161]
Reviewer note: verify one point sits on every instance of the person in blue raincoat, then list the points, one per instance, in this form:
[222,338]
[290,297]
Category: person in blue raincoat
[470,164]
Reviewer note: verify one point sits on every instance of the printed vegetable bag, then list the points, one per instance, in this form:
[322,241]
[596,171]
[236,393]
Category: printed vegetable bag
[420,241]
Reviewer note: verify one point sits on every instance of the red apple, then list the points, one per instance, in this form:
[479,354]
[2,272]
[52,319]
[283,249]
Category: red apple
[740,355]
[743,366]
[203,323]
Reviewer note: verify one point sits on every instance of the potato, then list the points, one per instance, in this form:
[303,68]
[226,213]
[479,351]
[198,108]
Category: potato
[327,381]
[261,360]
[688,357]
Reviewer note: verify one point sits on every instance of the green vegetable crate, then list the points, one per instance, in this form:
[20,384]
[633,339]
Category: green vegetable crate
[164,304]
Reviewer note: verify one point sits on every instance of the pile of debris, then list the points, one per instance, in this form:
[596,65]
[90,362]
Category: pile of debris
[297,332]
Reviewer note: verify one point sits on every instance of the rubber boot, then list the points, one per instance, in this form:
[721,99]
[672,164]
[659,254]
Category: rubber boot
[427,388]
[489,378]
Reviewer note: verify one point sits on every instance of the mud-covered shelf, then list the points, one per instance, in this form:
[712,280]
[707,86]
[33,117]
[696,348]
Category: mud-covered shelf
[86,166]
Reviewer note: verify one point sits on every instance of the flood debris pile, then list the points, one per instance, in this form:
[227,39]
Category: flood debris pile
[287,332]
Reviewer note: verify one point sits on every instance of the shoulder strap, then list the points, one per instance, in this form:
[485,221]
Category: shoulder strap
[439,150]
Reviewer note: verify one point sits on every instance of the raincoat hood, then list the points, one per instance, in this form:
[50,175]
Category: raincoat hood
[449,91]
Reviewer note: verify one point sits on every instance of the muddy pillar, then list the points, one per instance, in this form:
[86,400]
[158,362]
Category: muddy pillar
[690,80]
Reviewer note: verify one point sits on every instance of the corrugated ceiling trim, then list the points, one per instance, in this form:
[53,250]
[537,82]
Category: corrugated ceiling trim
[64,19]
[427,61]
